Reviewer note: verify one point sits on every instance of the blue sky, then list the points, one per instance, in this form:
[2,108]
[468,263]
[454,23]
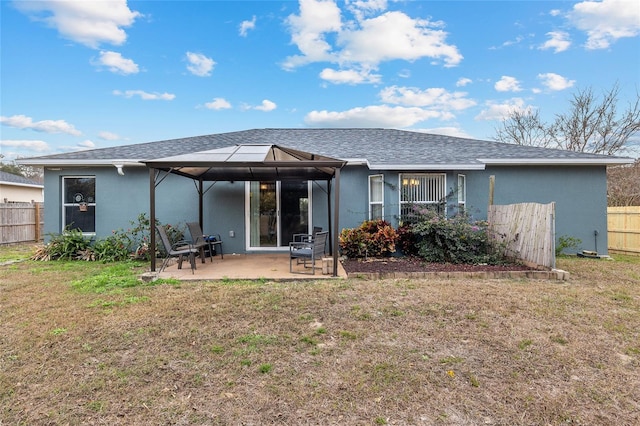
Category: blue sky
[92,74]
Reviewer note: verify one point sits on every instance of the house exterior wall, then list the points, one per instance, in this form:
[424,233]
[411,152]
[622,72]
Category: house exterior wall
[579,193]
[20,194]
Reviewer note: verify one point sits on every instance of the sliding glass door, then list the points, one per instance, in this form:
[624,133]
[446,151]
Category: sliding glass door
[276,211]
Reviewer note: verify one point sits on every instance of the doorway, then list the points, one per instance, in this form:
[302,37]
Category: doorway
[275,211]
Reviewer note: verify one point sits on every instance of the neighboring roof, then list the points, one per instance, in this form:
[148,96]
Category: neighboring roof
[250,162]
[380,149]
[16,180]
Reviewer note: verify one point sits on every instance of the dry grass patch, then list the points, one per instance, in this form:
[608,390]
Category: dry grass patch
[326,352]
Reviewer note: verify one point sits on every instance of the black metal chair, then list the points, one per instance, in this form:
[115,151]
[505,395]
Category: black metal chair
[178,249]
[308,251]
[307,237]
[200,240]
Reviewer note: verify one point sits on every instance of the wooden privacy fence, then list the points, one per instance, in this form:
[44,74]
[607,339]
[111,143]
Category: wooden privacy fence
[21,222]
[527,230]
[623,229]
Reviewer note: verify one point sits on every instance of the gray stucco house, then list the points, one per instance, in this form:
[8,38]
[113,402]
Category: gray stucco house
[352,174]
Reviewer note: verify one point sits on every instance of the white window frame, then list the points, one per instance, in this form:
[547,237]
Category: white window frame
[426,189]
[462,192]
[76,204]
[381,196]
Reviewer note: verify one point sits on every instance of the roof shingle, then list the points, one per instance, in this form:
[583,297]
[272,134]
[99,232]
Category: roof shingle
[379,147]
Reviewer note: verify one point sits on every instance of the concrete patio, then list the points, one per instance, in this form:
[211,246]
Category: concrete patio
[245,266]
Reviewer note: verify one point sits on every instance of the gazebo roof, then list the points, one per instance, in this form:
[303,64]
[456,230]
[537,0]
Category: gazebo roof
[249,162]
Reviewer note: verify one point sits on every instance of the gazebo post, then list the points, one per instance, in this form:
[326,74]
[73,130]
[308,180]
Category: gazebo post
[200,204]
[336,221]
[329,215]
[152,217]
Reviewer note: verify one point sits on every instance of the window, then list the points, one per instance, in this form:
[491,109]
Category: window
[79,203]
[462,193]
[423,190]
[376,197]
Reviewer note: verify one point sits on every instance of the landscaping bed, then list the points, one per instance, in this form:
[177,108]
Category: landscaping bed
[414,264]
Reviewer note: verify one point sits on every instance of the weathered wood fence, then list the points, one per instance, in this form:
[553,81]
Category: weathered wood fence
[623,229]
[527,230]
[20,222]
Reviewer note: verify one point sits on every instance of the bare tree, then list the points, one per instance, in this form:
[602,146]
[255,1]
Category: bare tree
[623,185]
[524,127]
[590,125]
[593,125]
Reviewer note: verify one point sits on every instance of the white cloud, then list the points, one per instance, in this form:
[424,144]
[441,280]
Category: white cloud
[266,106]
[86,144]
[28,145]
[365,42]
[109,136]
[218,103]
[435,97]
[362,8]
[116,63]
[500,111]
[200,65]
[245,26]
[508,84]
[349,76]
[558,41]
[46,126]
[508,43]
[463,82]
[394,35]
[87,22]
[373,116]
[404,73]
[555,82]
[145,96]
[607,21]
[308,29]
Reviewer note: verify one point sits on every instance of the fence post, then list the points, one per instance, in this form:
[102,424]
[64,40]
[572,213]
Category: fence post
[37,224]
[492,185]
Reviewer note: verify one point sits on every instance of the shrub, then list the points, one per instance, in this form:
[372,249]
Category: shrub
[114,248]
[566,242]
[67,245]
[121,245]
[407,240]
[453,240]
[372,238]
[140,234]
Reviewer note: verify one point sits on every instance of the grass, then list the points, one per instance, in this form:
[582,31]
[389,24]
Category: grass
[85,343]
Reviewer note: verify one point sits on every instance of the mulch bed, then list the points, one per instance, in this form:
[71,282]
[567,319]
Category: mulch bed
[411,264]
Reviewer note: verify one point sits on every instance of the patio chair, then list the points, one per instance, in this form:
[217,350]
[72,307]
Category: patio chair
[200,241]
[307,237]
[178,249]
[308,251]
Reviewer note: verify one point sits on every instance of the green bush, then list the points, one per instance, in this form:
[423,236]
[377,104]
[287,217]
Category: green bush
[67,245]
[114,248]
[566,242]
[453,240]
[121,245]
[373,238]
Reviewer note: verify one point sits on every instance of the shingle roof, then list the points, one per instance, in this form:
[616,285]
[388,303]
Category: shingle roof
[15,179]
[380,148]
